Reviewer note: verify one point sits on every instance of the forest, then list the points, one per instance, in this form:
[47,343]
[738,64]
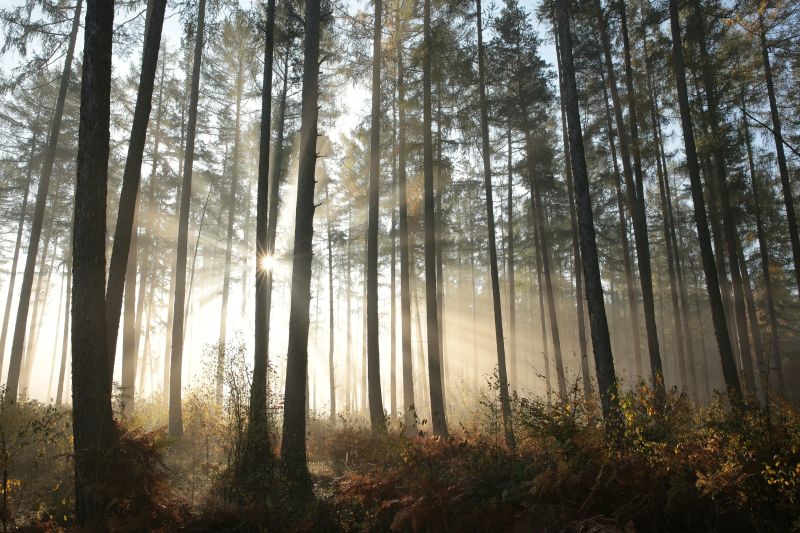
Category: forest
[399,265]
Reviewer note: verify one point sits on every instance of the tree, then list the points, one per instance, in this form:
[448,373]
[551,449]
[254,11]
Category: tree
[376,415]
[598,323]
[293,445]
[18,340]
[178,319]
[487,182]
[258,444]
[93,428]
[133,172]
[432,316]
[701,220]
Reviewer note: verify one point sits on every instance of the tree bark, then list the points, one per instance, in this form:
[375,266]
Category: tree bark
[777,133]
[438,418]
[123,232]
[505,403]
[293,447]
[601,342]
[701,221]
[93,427]
[377,420]
[179,305]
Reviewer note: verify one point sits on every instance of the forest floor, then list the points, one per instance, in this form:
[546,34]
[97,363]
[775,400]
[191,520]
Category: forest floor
[686,468]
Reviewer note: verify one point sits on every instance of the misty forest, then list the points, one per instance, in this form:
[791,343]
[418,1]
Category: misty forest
[399,265]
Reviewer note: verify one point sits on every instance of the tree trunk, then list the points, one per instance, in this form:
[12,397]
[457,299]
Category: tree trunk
[729,226]
[576,251]
[129,332]
[393,278]
[176,359]
[15,260]
[630,284]
[601,342]
[18,340]
[377,420]
[438,419]
[505,403]
[634,192]
[512,297]
[331,367]
[65,334]
[774,356]
[226,279]
[409,415]
[92,424]
[293,447]
[123,232]
[786,185]
[55,341]
[701,221]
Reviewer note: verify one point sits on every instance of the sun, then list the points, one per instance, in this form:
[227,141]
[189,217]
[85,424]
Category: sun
[266,263]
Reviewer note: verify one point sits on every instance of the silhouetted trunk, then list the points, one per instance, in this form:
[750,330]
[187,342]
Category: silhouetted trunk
[543,320]
[275,176]
[377,420]
[604,360]
[331,367]
[128,377]
[774,356]
[409,416]
[576,251]
[92,424]
[502,376]
[393,277]
[729,226]
[176,359]
[630,285]
[634,192]
[65,333]
[512,296]
[226,279]
[55,340]
[349,379]
[434,356]
[17,245]
[293,446]
[18,340]
[125,227]
[709,266]
[544,245]
[786,185]
[661,173]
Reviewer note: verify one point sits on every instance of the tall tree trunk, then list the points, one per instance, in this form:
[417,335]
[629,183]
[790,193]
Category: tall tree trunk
[729,225]
[94,433]
[701,221]
[18,340]
[65,333]
[630,284]
[661,171]
[438,418]
[179,305]
[512,297]
[125,227]
[331,367]
[772,317]
[293,447]
[15,259]
[544,244]
[349,380]
[634,191]
[226,279]
[129,352]
[377,420]
[601,342]
[786,185]
[393,277]
[576,250]
[505,402]
[409,415]
[55,340]
[542,317]
[275,177]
